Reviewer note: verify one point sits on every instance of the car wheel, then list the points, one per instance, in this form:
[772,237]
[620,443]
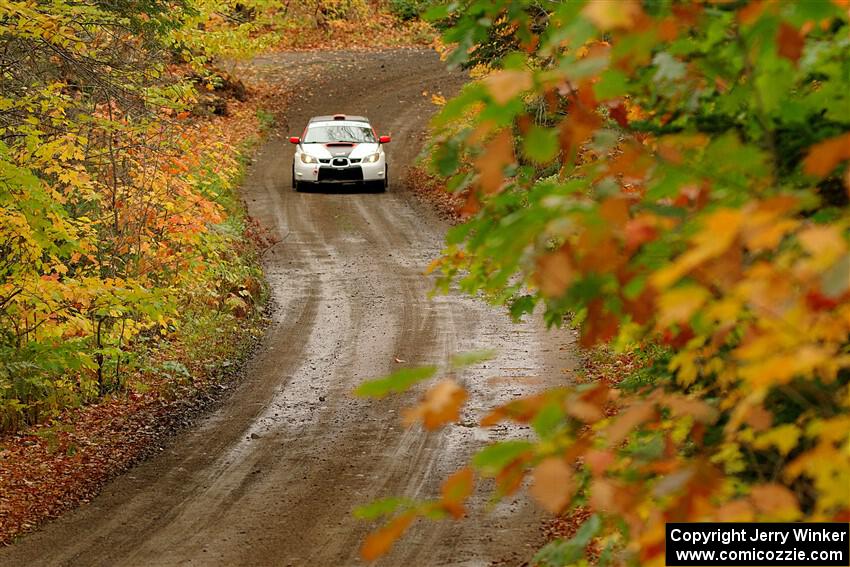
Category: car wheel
[381,185]
[298,187]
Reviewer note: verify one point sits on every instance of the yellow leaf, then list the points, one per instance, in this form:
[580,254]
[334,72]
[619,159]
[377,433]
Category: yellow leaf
[827,467]
[784,438]
[684,364]
[678,305]
[764,229]
[438,100]
[718,233]
[824,243]
[725,311]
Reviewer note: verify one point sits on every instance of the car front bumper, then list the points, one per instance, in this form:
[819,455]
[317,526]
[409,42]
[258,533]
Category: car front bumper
[354,173]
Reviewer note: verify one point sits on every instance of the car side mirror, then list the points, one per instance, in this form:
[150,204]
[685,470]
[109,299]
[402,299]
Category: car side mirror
[295,140]
[384,140]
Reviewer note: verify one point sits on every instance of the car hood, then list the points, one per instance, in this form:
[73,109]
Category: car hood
[335,150]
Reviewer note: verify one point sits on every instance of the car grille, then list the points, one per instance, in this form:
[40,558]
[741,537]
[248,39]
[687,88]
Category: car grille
[324,160]
[340,174]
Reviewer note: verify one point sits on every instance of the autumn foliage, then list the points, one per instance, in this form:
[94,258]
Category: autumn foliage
[119,226]
[671,177]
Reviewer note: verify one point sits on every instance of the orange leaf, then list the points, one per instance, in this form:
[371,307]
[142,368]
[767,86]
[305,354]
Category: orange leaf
[577,128]
[522,410]
[608,15]
[552,484]
[498,153]
[735,511]
[505,85]
[584,411]
[824,156]
[598,461]
[601,325]
[456,489]
[379,542]
[775,500]
[610,496]
[751,12]
[615,211]
[628,420]
[441,404]
[682,406]
[639,231]
[554,272]
[758,418]
[668,28]
[510,478]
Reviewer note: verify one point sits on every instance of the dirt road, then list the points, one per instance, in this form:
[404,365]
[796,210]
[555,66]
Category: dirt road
[270,478]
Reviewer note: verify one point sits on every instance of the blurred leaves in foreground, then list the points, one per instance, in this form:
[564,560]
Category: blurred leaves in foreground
[672,178]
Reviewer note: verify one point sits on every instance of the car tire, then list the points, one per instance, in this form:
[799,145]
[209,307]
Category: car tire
[381,185]
[297,187]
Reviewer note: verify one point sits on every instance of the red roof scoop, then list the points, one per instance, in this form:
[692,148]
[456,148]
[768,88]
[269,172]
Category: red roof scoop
[339,116]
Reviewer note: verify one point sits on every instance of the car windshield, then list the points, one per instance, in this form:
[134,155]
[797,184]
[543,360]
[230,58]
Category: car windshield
[339,133]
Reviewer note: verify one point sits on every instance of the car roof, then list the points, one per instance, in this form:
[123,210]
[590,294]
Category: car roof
[338,118]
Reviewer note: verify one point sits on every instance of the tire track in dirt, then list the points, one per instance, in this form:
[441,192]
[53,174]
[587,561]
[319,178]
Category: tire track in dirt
[270,477]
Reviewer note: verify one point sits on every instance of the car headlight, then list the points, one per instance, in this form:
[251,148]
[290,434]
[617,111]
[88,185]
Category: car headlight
[307,158]
[372,158]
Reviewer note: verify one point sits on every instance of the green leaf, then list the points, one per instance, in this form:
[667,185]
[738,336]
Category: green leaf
[612,84]
[541,144]
[497,456]
[548,419]
[381,507]
[566,552]
[398,381]
[472,357]
[436,13]
[522,305]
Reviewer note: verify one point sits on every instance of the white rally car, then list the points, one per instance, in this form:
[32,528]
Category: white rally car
[339,149]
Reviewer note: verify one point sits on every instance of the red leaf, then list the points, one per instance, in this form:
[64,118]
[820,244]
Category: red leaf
[620,115]
[789,42]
